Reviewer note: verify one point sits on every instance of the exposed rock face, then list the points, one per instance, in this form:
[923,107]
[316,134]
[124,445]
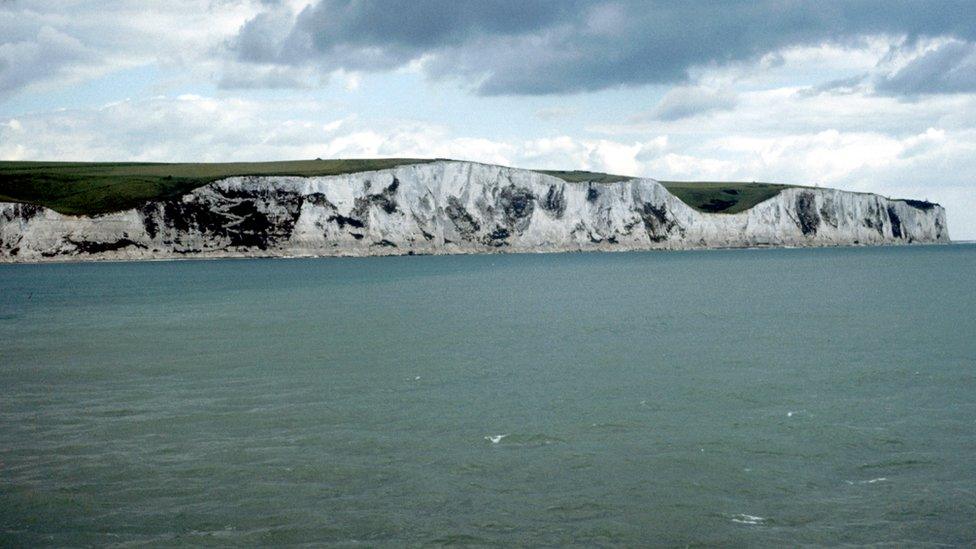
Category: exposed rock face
[452,207]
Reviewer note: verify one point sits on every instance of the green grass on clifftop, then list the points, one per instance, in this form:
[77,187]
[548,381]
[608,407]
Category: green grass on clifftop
[90,188]
[722,197]
[578,176]
[83,188]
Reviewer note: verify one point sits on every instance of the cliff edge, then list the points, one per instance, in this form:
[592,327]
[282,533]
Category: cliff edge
[447,207]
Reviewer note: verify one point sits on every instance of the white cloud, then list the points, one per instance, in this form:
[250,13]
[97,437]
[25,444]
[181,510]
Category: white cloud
[334,125]
[351,81]
[44,46]
[691,101]
[789,110]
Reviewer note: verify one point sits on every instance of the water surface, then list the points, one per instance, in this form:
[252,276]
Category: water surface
[752,397]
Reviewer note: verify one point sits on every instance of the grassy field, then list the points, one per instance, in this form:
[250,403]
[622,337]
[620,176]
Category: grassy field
[83,188]
[722,197]
[577,176]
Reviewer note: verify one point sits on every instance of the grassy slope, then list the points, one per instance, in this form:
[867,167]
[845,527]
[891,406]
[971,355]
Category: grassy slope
[82,188]
[723,197]
[577,176]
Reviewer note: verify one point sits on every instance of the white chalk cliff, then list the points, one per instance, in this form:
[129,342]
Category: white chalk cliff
[449,207]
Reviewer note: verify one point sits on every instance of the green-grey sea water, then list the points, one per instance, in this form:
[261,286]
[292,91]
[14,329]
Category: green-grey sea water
[750,398]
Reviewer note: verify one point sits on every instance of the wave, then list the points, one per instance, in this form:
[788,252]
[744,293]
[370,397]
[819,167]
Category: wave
[747,519]
[871,481]
[524,440]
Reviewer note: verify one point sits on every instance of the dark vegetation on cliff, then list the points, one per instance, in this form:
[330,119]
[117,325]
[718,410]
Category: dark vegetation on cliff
[91,188]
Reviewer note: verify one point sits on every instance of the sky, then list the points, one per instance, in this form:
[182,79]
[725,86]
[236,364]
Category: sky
[864,95]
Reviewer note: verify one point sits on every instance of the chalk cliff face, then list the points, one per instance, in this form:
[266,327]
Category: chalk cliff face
[452,207]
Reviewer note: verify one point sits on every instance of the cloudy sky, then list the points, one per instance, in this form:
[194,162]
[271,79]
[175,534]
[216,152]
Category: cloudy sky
[869,95]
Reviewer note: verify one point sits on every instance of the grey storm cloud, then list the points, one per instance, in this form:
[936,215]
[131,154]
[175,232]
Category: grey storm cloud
[950,68]
[838,86]
[565,46]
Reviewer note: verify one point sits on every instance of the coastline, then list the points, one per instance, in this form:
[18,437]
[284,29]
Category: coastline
[613,250]
[447,208]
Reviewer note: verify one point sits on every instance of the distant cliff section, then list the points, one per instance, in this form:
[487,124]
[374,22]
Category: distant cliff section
[448,207]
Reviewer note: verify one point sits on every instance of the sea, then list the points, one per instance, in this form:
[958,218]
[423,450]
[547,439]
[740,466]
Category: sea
[771,397]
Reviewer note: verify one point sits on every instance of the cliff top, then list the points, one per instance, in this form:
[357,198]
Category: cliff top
[89,188]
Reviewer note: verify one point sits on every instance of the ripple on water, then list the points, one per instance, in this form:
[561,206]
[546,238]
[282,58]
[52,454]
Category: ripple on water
[579,510]
[896,464]
[869,481]
[460,539]
[616,427]
[742,518]
[523,440]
